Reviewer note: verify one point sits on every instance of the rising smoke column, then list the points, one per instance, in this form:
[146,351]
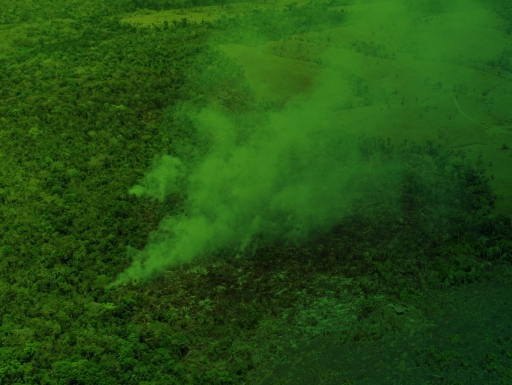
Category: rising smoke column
[294,176]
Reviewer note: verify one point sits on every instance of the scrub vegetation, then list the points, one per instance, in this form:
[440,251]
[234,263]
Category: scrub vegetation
[89,104]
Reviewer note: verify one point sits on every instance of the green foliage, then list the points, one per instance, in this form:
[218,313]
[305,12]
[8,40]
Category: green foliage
[86,103]
[270,24]
[446,194]
[84,131]
[503,10]
[125,308]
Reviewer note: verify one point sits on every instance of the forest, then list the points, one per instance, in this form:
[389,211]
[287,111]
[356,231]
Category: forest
[88,102]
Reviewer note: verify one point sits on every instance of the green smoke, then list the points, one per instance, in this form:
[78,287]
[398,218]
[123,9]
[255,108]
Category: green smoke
[297,172]
[293,177]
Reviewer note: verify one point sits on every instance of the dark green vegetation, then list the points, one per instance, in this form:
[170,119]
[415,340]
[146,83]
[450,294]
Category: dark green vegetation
[28,11]
[85,105]
[272,25]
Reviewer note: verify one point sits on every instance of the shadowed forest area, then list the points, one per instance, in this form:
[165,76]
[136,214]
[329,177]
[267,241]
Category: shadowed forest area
[216,192]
